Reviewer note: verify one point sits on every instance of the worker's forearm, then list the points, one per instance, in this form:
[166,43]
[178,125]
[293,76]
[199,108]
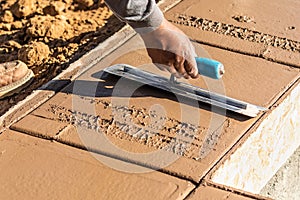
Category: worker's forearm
[137,13]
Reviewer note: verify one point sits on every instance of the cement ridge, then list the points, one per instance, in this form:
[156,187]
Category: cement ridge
[180,138]
[238,32]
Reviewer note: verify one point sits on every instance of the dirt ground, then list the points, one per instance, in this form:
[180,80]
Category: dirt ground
[48,35]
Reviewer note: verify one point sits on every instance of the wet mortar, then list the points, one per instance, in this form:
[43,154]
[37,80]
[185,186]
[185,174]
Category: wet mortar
[138,125]
[238,32]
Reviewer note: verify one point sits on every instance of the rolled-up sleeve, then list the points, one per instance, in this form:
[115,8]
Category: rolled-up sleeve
[137,13]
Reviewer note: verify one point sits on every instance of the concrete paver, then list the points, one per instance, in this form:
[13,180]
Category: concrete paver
[23,108]
[40,169]
[247,14]
[244,26]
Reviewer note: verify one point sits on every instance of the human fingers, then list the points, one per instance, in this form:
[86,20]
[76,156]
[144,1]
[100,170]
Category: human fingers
[166,61]
[190,66]
[179,66]
[191,69]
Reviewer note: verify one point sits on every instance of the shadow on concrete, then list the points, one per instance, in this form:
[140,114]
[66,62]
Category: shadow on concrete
[106,87]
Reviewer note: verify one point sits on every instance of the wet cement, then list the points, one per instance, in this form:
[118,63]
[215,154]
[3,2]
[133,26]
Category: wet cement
[33,168]
[269,17]
[243,27]
[239,32]
[147,128]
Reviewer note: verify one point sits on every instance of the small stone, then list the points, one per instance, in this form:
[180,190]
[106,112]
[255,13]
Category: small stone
[85,3]
[7,16]
[291,28]
[17,25]
[13,44]
[35,53]
[23,8]
[6,27]
[55,8]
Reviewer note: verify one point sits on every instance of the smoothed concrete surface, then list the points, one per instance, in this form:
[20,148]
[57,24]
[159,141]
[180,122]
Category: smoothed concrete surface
[33,168]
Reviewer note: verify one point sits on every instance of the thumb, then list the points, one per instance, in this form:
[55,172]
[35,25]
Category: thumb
[190,63]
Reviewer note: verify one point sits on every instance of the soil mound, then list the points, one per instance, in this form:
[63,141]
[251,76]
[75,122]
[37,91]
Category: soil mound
[48,35]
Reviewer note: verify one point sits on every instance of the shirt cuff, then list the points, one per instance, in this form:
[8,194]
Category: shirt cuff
[152,22]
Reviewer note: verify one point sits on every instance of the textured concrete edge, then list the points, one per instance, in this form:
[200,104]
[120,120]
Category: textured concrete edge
[232,190]
[248,47]
[45,92]
[45,160]
[219,174]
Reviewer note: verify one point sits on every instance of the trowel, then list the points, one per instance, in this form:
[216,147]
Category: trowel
[206,67]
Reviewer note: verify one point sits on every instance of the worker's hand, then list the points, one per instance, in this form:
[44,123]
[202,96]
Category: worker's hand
[170,49]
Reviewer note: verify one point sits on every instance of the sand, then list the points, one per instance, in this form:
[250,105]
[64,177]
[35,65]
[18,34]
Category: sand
[49,35]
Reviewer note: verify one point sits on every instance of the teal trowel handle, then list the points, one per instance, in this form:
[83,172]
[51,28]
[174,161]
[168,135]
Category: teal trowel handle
[210,68]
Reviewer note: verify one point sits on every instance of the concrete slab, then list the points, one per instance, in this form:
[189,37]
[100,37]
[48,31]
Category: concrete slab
[248,14]
[41,169]
[246,77]
[244,26]
[77,131]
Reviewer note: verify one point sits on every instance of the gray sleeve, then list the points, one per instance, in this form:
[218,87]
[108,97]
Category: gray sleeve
[137,13]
